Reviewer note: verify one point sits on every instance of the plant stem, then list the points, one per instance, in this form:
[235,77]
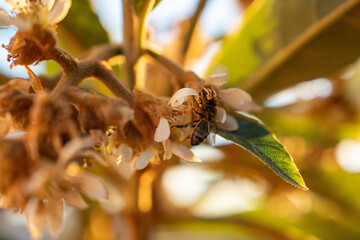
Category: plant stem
[109,78]
[67,62]
[130,52]
[190,33]
[146,8]
[103,52]
[75,71]
[171,66]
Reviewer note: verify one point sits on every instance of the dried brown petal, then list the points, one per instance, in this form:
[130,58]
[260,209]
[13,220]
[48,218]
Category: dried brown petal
[16,101]
[34,80]
[73,198]
[99,112]
[23,50]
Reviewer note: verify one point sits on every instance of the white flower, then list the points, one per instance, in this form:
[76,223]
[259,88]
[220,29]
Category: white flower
[179,150]
[92,186]
[59,183]
[216,79]
[235,98]
[143,160]
[162,132]
[37,211]
[181,96]
[124,153]
[26,14]
[126,162]
[229,125]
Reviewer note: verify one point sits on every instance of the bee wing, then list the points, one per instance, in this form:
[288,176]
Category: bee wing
[212,131]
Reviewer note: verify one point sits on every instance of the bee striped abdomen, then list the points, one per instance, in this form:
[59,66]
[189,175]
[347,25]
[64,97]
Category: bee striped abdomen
[201,132]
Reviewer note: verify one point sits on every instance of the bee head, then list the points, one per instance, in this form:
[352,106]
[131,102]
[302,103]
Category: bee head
[209,96]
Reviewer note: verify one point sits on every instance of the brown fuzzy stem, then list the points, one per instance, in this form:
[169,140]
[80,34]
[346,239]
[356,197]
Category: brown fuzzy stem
[67,62]
[75,71]
[109,78]
[171,66]
[103,52]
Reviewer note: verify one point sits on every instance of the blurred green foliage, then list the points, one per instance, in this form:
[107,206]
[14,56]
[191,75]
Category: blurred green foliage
[283,42]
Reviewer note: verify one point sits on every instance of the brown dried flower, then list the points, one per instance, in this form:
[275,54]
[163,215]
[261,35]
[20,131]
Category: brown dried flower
[39,188]
[16,100]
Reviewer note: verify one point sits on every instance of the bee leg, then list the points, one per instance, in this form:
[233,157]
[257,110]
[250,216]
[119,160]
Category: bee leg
[186,125]
[199,113]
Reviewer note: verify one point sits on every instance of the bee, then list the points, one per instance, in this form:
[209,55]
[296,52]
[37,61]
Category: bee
[204,107]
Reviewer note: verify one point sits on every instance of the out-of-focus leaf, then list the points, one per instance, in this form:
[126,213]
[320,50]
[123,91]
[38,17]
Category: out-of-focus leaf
[139,3]
[221,228]
[310,226]
[284,42]
[83,25]
[254,137]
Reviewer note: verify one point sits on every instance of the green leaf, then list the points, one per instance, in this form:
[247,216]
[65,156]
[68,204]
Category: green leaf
[283,42]
[83,25]
[254,137]
[139,3]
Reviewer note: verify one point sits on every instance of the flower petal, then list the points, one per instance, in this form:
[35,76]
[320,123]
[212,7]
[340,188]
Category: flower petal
[36,181]
[229,125]
[55,211]
[181,96]
[184,153]
[16,4]
[144,159]
[36,218]
[48,3]
[15,135]
[59,11]
[162,131]
[93,187]
[74,198]
[185,133]
[5,19]
[124,153]
[235,98]
[34,80]
[220,115]
[167,149]
[218,79]
[72,148]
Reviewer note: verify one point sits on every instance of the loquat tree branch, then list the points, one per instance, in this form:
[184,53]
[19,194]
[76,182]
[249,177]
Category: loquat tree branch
[129,36]
[75,71]
[171,66]
[191,30]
